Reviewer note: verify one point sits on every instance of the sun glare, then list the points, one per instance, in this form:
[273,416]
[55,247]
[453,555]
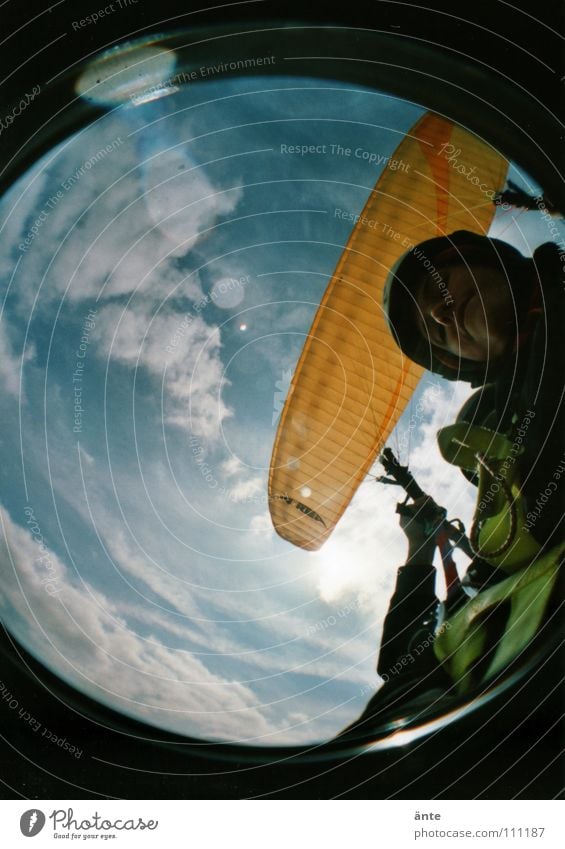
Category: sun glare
[337,570]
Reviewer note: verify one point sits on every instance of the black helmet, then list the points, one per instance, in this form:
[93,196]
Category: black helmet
[399,302]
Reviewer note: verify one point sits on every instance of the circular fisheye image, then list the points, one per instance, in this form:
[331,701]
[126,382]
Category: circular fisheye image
[282,406]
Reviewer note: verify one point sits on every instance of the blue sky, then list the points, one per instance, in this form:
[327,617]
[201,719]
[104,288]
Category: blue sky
[188,260]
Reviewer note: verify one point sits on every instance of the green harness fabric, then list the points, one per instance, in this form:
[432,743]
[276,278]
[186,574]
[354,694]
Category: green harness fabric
[521,600]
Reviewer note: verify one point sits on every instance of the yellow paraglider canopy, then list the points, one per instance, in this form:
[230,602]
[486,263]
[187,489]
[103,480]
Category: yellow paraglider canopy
[352,382]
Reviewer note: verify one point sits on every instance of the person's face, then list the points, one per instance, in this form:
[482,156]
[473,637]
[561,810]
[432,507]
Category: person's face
[471,316]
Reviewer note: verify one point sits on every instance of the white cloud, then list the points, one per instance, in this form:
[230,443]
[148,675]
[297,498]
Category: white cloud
[180,199]
[11,363]
[130,559]
[444,482]
[182,351]
[120,225]
[232,466]
[21,205]
[285,641]
[262,523]
[86,637]
[86,457]
[247,489]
